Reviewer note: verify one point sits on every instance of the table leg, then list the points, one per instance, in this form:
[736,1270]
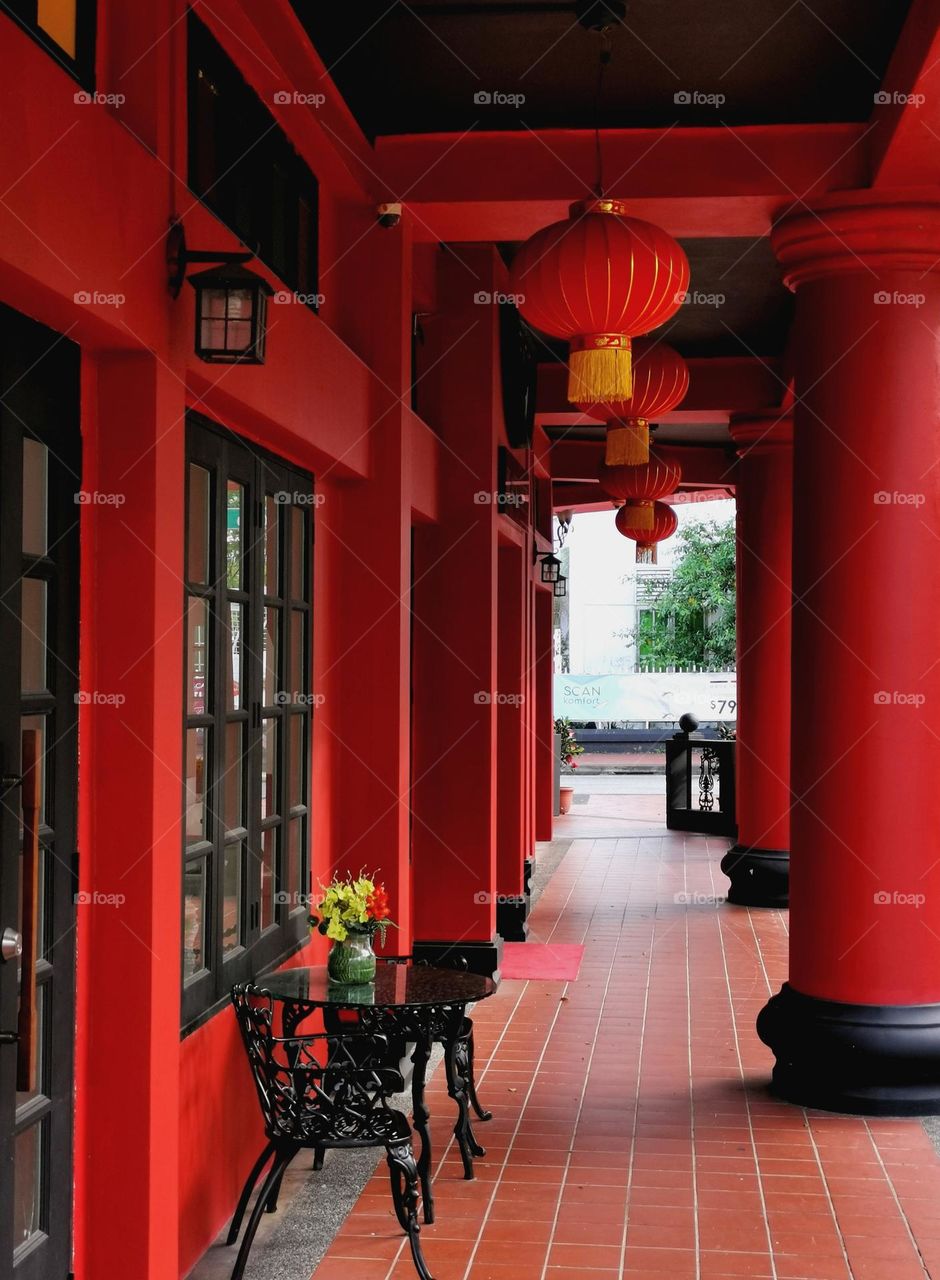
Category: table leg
[419,1058]
[457,1070]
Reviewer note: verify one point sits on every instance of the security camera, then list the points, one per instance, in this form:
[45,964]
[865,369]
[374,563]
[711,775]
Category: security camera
[389,215]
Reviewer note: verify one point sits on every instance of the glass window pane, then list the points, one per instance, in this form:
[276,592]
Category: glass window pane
[196,745]
[194,918]
[33,658]
[269,732]
[269,658]
[233,534]
[298,568]
[268,872]
[58,19]
[233,783]
[298,742]
[233,657]
[298,651]
[294,856]
[197,554]
[271,548]
[232,897]
[197,649]
[27,1183]
[39,723]
[38,1071]
[35,498]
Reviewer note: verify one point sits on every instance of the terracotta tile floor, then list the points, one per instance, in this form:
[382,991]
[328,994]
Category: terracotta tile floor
[633,1134]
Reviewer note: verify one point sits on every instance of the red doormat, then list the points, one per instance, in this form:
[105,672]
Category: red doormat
[542,961]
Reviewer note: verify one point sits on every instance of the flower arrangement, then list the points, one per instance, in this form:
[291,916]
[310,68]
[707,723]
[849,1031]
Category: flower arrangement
[349,906]
[570,747]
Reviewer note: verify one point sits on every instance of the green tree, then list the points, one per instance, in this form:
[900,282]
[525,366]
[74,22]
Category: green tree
[689,619]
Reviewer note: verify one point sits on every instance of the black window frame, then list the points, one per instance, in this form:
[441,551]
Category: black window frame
[265,478]
[242,166]
[25,13]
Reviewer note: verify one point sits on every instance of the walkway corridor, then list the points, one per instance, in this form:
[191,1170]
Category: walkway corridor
[633,1133]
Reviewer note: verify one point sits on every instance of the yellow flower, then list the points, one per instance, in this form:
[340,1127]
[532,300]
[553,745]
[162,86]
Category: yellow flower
[336,929]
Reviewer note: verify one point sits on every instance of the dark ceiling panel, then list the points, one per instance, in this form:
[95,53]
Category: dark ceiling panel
[416,67]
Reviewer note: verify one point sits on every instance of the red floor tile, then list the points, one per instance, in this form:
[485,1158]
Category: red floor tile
[634,1136]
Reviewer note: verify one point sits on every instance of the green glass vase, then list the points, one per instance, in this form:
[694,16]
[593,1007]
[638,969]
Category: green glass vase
[352,962]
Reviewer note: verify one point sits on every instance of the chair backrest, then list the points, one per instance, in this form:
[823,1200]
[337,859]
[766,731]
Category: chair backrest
[322,1088]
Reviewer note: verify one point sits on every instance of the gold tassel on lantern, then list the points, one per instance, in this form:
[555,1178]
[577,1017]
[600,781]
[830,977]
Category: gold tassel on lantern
[628,443]
[599,369]
[646,553]
[637,514]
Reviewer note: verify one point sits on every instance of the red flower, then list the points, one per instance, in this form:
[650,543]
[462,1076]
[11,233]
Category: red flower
[377,904]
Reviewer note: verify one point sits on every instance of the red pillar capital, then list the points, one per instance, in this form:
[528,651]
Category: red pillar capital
[857,1026]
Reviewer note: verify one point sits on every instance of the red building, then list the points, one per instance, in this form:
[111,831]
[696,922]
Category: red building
[267,621]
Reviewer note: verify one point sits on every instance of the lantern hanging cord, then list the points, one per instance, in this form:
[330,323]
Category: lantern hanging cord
[606,53]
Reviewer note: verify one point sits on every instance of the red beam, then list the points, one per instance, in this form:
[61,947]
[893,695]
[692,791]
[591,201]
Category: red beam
[693,182]
[906,118]
[575,465]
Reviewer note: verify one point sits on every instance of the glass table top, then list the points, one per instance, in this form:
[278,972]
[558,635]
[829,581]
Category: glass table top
[395,986]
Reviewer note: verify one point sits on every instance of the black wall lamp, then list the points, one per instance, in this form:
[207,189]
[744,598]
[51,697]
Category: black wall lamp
[231,301]
[561,586]
[551,568]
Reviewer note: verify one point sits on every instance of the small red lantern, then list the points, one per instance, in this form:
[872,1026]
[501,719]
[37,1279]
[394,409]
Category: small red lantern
[597,279]
[660,382]
[639,487]
[664,526]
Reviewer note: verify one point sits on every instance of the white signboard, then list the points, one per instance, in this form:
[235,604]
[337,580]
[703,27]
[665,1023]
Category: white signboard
[647,696]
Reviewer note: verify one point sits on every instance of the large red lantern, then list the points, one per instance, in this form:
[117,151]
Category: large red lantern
[597,279]
[639,487]
[660,382]
[664,526]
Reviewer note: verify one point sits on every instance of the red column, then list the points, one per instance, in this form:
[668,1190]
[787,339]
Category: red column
[511,797]
[544,737]
[758,865]
[857,1027]
[455,621]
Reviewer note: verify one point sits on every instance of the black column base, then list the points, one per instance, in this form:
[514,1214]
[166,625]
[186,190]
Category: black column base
[481,957]
[528,867]
[759,877]
[864,1059]
[511,917]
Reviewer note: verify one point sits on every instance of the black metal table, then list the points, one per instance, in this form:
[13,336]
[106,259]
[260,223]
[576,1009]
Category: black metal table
[408,1002]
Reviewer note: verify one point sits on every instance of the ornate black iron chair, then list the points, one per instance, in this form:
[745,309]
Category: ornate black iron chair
[320,1091]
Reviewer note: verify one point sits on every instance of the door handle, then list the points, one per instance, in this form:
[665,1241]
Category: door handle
[9,1037]
[11,944]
